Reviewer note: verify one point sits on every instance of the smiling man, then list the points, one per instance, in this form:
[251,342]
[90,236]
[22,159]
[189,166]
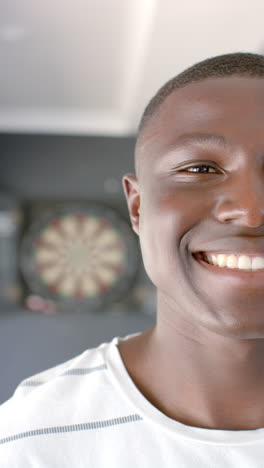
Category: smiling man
[189,391]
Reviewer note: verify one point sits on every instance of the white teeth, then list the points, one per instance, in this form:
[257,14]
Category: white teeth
[220,260]
[244,262]
[231,261]
[257,263]
[241,262]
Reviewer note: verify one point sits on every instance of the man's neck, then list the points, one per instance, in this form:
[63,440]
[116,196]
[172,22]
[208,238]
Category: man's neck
[209,382]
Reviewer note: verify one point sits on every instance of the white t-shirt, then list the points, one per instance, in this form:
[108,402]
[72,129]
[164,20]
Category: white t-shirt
[88,413]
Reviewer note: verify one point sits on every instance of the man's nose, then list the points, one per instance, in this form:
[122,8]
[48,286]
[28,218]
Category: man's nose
[242,202]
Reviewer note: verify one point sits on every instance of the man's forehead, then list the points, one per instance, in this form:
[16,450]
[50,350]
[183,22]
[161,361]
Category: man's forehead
[201,108]
[207,93]
[204,102]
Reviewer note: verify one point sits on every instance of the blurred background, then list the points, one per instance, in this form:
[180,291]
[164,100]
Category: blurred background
[75,76]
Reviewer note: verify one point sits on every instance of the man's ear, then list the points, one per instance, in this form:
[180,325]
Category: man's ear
[131,189]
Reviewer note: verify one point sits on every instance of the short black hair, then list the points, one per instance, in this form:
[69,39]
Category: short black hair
[238,63]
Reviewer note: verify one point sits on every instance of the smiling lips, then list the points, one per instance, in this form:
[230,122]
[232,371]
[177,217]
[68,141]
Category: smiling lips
[234,261]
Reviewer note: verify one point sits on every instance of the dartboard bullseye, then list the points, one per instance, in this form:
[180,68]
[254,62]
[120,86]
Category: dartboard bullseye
[78,253]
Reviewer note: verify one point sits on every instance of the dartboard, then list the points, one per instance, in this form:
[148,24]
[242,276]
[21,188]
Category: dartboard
[83,253]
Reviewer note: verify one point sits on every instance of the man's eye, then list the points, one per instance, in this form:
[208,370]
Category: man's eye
[200,169]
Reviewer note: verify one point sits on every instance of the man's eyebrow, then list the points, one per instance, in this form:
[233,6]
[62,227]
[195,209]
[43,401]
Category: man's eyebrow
[190,138]
[186,139]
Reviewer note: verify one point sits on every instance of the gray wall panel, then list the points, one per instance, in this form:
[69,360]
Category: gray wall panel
[36,167]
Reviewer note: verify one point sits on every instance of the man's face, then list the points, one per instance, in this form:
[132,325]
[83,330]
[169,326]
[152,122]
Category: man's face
[204,196]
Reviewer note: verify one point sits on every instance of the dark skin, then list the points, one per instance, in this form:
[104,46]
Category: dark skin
[202,363]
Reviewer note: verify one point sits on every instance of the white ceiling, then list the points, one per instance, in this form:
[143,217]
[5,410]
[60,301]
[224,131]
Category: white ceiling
[90,66]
